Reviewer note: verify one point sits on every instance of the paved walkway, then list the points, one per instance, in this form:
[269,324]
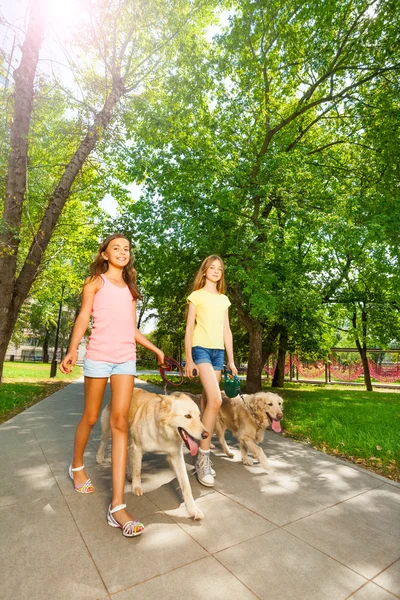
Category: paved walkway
[313,528]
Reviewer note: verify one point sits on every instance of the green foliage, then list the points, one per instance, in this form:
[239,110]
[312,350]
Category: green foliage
[263,146]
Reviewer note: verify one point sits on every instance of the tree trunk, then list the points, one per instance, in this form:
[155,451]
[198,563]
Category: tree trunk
[46,347]
[6,330]
[362,348]
[279,375]
[24,77]
[255,361]
[256,355]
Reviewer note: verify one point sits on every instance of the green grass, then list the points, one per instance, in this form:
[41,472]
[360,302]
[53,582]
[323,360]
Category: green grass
[360,426]
[35,372]
[24,384]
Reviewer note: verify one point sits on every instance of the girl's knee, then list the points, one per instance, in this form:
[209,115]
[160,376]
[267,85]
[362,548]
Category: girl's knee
[119,423]
[214,403]
[90,419]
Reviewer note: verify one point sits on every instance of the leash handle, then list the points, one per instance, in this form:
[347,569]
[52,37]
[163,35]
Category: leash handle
[170,365]
[231,384]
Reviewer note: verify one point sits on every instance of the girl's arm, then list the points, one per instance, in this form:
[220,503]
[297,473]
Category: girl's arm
[89,290]
[190,319]
[228,341]
[143,341]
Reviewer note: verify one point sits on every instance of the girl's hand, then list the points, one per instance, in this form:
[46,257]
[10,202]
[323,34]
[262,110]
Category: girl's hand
[68,362]
[160,359]
[189,368]
[232,367]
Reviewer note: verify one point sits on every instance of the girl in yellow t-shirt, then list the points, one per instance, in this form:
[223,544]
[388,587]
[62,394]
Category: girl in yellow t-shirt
[207,335]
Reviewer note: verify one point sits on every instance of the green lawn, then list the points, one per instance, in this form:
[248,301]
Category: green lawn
[360,426]
[25,384]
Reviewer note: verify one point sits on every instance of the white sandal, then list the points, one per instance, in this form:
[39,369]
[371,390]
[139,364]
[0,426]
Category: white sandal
[82,488]
[130,529]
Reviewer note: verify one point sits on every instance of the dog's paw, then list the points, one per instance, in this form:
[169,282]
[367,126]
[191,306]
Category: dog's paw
[137,491]
[198,515]
[230,455]
[248,461]
[99,458]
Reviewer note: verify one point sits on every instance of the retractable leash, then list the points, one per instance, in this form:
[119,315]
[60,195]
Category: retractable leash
[170,365]
[231,384]
[232,388]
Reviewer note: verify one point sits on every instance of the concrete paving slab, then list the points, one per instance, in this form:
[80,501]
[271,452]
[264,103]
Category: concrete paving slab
[33,483]
[277,565]
[205,578]
[370,591]
[43,555]
[353,543]
[378,508]
[332,485]
[390,579]
[226,523]
[125,562]
[273,502]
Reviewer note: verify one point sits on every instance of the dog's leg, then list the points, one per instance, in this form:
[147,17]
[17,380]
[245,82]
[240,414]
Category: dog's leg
[105,434]
[179,466]
[220,431]
[247,460]
[136,461]
[258,453]
[129,462]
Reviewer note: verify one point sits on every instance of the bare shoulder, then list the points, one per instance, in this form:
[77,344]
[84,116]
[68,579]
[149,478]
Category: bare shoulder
[93,283]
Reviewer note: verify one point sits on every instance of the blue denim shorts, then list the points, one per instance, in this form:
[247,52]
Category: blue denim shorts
[214,357]
[98,368]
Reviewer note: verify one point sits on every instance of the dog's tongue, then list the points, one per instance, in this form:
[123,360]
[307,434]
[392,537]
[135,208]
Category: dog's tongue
[276,426]
[193,445]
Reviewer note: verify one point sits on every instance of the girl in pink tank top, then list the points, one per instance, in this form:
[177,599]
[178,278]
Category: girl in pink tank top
[109,296]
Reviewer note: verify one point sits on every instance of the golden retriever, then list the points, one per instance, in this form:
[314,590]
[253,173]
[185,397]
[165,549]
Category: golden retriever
[248,421]
[159,423]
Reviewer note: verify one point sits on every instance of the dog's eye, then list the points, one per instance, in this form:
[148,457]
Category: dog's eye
[188,416]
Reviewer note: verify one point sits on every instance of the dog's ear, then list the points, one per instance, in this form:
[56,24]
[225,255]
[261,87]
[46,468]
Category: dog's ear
[258,401]
[166,405]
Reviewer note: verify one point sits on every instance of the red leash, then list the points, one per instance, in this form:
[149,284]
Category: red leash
[171,365]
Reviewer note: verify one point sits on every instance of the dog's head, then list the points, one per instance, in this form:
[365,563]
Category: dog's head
[269,409]
[182,416]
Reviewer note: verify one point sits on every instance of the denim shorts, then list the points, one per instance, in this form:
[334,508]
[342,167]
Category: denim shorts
[98,368]
[214,357]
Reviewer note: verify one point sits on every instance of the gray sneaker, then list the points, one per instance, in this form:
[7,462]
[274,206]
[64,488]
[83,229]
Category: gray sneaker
[203,469]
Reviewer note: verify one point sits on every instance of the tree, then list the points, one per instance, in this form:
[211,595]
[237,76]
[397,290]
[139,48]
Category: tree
[132,42]
[238,150]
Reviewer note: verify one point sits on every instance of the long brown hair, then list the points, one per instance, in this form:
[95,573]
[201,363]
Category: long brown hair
[100,265]
[200,279]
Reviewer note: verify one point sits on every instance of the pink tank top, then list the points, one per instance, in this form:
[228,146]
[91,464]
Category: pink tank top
[113,332]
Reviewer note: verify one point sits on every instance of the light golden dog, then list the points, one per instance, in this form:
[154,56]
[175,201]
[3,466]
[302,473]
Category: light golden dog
[159,424]
[248,421]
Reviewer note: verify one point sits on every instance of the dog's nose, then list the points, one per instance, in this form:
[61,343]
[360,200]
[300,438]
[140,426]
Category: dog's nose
[205,435]
[279,416]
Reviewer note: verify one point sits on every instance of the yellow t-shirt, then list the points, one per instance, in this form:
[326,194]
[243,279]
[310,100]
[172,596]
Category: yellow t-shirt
[210,315]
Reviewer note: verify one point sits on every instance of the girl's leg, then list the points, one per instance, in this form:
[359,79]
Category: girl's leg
[94,392]
[203,402]
[210,381]
[121,394]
